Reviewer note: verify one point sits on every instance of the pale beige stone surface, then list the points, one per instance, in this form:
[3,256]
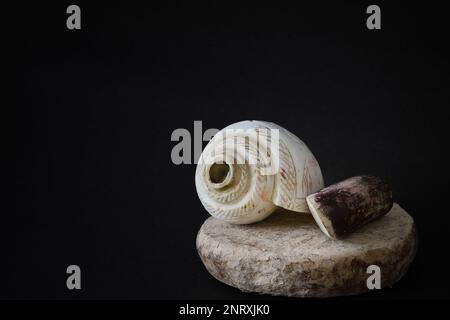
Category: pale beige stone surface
[288,255]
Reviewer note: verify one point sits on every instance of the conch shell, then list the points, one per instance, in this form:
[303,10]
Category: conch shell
[250,168]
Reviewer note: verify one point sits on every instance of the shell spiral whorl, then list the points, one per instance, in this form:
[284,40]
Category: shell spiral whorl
[234,183]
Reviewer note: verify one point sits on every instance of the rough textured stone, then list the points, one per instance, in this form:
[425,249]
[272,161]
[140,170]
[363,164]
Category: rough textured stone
[288,255]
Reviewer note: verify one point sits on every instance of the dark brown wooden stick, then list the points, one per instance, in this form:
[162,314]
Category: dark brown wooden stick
[346,206]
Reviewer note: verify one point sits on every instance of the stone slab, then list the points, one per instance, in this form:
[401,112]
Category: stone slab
[288,255]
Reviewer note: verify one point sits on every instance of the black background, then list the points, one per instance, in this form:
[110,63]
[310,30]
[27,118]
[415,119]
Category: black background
[94,110]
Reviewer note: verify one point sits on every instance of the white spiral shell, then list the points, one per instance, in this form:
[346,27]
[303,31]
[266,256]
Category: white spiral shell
[241,177]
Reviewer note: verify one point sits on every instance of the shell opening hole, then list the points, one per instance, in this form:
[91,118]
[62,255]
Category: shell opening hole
[218,172]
